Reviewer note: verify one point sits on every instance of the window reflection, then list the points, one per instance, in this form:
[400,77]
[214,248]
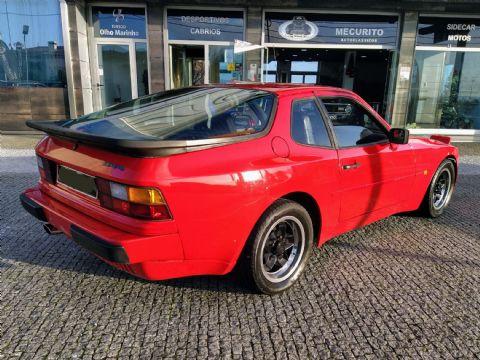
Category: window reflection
[445,90]
[225,65]
[31,44]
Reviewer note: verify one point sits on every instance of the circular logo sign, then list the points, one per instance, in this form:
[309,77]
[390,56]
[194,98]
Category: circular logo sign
[298,29]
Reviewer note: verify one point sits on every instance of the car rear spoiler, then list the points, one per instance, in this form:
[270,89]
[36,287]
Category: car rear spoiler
[442,138]
[135,147]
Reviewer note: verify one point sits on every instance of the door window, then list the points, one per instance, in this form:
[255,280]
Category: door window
[352,124]
[307,125]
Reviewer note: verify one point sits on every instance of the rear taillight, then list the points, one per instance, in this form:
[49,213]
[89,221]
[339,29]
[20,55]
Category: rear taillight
[47,169]
[138,202]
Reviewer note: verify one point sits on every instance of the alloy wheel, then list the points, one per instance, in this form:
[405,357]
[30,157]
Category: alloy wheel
[283,249]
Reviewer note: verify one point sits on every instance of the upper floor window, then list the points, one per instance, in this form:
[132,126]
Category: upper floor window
[308,126]
[31,44]
[353,124]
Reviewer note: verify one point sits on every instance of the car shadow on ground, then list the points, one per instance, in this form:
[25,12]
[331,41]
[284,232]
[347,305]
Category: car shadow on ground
[58,252]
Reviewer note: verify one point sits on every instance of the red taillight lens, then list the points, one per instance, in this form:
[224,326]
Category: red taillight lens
[156,212]
[144,203]
[47,169]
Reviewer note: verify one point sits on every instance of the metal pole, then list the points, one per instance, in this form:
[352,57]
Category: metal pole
[26,53]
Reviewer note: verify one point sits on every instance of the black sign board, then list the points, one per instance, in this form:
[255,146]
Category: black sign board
[205,25]
[451,32]
[343,29]
[119,22]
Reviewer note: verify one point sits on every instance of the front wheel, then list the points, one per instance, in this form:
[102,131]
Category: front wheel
[440,190]
[279,247]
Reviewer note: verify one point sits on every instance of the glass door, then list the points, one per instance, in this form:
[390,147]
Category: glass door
[121,72]
[114,74]
[225,66]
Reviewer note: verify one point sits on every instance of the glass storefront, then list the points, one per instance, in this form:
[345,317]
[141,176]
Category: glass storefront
[366,72]
[445,86]
[356,52]
[201,46]
[31,44]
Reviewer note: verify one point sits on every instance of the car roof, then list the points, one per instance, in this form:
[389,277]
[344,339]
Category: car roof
[288,89]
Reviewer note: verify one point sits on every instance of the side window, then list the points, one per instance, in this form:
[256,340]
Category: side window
[307,125]
[353,125]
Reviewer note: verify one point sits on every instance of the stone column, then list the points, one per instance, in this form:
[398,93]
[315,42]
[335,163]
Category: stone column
[254,36]
[80,60]
[404,69]
[156,46]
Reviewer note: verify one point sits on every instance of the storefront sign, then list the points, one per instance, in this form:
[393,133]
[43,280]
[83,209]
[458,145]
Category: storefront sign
[451,32]
[205,25]
[331,29]
[298,29]
[119,22]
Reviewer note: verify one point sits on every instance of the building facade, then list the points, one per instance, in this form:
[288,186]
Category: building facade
[415,62]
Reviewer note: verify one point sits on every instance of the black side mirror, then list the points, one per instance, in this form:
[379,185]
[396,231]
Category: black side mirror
[398,136]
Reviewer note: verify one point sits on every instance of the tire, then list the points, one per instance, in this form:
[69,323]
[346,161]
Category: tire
[278,248]
[438,196]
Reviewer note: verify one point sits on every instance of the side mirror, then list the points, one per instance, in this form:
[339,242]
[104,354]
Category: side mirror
[398,136]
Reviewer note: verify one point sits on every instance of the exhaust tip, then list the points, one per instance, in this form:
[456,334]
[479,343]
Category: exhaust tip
[50,229]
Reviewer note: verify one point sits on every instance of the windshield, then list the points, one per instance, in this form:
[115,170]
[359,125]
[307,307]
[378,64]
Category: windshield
[185,114]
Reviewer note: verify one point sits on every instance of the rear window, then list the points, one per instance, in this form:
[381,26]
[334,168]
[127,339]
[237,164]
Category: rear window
[185,114]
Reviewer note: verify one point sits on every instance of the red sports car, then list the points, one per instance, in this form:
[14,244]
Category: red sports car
[202,179]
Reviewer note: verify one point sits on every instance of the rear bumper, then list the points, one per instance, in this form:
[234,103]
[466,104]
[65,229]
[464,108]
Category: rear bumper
[91,242]
[150,257]
[32,208]
[98,246]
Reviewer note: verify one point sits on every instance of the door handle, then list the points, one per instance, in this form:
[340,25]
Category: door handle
[351,166]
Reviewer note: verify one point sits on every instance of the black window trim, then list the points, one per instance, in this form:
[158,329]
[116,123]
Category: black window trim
[330,124]
[333,144]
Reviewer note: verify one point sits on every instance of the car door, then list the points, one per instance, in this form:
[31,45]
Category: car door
[314,158]
[374,174]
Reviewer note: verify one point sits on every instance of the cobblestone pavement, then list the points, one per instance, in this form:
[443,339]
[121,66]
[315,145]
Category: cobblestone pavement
[402,287]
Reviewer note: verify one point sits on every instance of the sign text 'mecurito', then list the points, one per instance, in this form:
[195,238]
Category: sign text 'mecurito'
[346,31]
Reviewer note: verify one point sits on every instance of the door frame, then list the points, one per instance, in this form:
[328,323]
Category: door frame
[93,43]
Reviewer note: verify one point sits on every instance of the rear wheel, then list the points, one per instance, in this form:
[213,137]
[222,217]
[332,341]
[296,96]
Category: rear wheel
[279,247]
[440,190]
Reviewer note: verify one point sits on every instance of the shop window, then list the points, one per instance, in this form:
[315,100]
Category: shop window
[445,90]
[31,44]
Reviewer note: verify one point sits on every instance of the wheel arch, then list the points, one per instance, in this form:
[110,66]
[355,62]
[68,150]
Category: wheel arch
[311,205]
[455,165]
